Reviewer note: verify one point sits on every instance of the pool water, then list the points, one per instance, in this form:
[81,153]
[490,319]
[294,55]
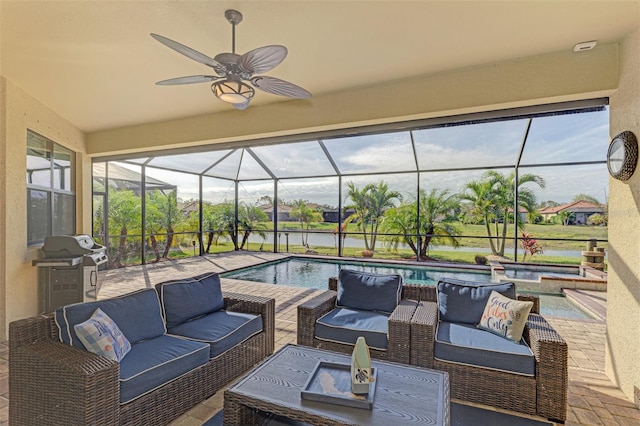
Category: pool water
[525,274]
[310,273]
[315,273]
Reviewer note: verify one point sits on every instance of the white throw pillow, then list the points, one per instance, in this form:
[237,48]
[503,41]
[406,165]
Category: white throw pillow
[100,335]
[505,317]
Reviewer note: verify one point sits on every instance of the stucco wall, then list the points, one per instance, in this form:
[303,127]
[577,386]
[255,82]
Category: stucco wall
[623,295]
[18,279]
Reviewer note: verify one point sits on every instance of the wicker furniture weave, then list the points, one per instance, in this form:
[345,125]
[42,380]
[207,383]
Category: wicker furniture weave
[52,383]
[399,334]
[404,394]
[544,395]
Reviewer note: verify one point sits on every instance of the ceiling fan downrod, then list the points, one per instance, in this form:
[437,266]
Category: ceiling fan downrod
[234,17]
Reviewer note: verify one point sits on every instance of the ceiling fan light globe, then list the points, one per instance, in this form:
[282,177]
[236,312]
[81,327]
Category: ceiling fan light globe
[232,91]
[241,106]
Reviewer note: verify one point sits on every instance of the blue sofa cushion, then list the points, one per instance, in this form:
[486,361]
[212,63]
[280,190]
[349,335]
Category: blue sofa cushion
[468,345]
[368,291]
[137,314]
[344,325]
[221,330]
[152,363]
[464,301]
[183,300]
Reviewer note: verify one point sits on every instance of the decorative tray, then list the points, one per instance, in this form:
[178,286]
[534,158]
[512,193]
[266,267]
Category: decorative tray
[331,382]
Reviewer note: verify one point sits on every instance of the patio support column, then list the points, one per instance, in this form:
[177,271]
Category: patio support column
[235,222]
[275,215]
[415,158]
[516,211]
[340,215]
[143,210]
[200,216]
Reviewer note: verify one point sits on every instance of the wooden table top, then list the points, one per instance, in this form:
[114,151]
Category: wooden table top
[403,395]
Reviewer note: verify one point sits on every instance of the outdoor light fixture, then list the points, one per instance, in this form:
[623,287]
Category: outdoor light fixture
[233,91]
[622,156]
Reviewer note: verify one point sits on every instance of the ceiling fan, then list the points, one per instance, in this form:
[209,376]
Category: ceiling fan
[234,70]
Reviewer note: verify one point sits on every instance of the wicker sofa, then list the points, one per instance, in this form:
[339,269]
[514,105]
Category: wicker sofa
[540,392]
[57,383]
[399,324]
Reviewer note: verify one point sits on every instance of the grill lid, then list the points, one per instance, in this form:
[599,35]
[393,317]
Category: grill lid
[70,246]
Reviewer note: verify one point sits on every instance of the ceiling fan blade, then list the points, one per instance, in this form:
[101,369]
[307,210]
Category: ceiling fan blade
[187,51]
[188,80]
[263,59]
[276,86]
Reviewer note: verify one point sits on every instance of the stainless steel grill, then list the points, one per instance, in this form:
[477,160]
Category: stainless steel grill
[68,272]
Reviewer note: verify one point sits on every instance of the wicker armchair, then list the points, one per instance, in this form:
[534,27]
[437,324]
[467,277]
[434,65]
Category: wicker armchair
[52,383]
[399,333]
[544,394]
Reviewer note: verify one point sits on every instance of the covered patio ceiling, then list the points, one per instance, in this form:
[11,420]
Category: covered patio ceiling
[94,63]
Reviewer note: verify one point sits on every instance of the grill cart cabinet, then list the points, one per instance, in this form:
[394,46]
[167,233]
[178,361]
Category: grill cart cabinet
[69,271]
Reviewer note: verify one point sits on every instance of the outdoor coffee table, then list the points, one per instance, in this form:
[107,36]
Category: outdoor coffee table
[403,394]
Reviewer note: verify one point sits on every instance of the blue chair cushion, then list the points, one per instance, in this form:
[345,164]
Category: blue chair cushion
[468,345]
[344,325]
[152,363]
[369,292]
[221,330]
[138,316]
[190,298]
[464,301]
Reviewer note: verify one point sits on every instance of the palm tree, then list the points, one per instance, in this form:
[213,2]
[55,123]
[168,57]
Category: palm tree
[124,214]
[381,199]
[480,195]
[565,217]
[369,205]
[435,225]
[251,219]
[360,207]
[306,216]
[162,215]
[494,196]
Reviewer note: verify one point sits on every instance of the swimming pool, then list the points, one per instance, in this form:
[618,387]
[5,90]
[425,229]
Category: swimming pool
[311,273]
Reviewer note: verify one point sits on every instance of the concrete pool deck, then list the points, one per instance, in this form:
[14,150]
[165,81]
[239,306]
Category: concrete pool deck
[593,398]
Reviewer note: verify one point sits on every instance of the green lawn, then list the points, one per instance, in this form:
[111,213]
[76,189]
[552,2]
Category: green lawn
[469,231]
[539,232]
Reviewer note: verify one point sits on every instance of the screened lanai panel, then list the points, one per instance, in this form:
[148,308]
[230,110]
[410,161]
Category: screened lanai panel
[255,229]
[295,159]
[218,191]
[255,193]
[196,162]
[490,144]
[564,183]
[568,138]
[318,191]
[186,184]
[379,153]
[453,182]
[228,166]
[250,169]
[393,187]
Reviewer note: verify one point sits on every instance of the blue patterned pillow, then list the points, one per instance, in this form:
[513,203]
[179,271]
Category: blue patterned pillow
[100,335]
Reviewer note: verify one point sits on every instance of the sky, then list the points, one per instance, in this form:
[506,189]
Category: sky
[551,140]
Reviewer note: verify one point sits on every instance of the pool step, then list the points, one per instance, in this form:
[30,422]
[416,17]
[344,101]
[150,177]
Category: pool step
[593,301]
